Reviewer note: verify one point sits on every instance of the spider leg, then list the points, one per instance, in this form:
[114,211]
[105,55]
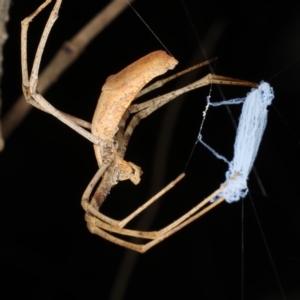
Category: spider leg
[92,206]
[161,82]
[144,109]
[102,191]
[100,227]
[206,80]
[29,84]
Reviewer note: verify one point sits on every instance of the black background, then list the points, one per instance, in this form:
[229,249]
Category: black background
[46,249]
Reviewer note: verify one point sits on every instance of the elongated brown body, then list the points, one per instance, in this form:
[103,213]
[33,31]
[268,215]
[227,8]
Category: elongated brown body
[120,90]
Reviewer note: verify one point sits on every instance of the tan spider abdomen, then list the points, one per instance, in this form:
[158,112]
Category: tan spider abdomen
[120,90]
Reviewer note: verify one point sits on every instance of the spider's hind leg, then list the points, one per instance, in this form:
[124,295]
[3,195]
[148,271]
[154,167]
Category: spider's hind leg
[29,82]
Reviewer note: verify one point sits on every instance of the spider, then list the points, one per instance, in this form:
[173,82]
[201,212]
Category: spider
[110,136]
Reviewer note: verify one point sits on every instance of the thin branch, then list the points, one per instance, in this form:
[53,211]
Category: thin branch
[4,17]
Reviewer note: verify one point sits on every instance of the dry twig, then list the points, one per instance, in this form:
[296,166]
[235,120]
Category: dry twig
[4,17]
